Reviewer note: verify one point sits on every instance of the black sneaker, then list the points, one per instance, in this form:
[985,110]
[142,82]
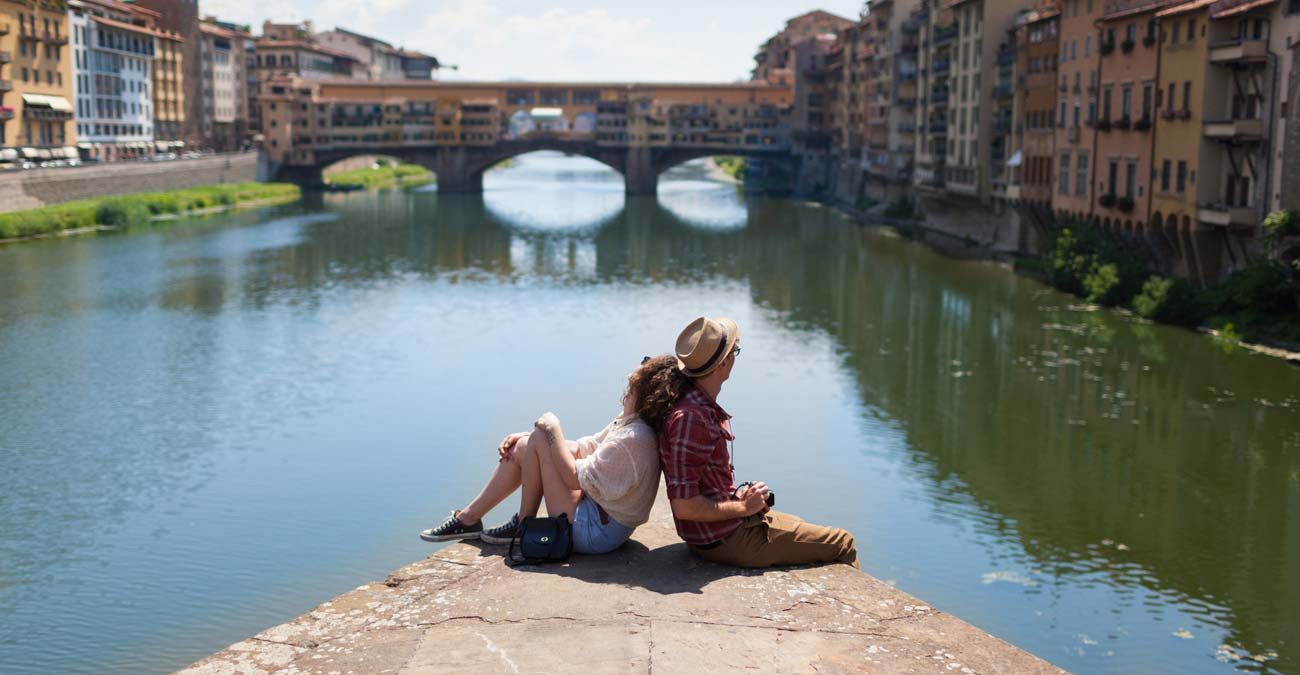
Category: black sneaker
[502,534]
[452,529]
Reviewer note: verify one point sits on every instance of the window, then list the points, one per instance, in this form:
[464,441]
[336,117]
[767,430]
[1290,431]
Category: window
[1147,89]
[1182,176]
[1165,172]
[1105,103]
[1112,178]
[1191,29]
[1081,180]
[1130,182]
[1126,101]
[1187,96]
[1173,87]
[1065,174]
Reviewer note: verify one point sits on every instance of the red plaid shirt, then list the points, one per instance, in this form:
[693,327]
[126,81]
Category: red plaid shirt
[696,461]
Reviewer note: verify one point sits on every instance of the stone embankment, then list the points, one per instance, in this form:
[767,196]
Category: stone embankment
[34,188]
[650,607]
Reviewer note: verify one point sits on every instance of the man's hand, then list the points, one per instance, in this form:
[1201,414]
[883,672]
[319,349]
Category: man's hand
[506,451]
[754,497]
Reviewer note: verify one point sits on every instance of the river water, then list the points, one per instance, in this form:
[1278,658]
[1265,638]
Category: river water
[210,427]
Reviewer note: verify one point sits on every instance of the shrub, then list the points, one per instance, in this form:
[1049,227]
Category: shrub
[1100,281]
[1173,301]
[122,212]
[902,208]
[1280,224]
[1107,200]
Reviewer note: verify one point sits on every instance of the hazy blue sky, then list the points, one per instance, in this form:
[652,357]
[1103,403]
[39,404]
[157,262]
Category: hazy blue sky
[663,40]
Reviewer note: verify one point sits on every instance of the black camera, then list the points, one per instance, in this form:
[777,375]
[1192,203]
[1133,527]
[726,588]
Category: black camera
[771,496]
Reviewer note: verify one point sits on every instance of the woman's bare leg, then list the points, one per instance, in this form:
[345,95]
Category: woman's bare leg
[530,469]
[559,478]
[505,479]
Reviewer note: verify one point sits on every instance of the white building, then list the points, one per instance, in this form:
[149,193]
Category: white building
[113,49]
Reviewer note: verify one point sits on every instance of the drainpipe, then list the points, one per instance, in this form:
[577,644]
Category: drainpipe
[1270,132]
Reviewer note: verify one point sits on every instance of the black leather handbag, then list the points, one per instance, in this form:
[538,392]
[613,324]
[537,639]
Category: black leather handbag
[542,540]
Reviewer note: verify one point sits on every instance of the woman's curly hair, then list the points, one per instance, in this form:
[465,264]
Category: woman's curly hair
[656,387]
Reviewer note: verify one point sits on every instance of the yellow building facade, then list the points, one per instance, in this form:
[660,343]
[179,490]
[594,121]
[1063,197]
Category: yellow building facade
[36,113]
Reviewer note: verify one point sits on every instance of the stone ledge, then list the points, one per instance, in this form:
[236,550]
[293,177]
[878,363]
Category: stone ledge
[651,606]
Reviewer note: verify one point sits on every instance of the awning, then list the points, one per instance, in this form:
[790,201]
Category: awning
[547,113]
[8,154]
[70,152]
[1016,159]
[86,146]
[57,103]
[45,153]
[178,144]
[30,153]
[162,146]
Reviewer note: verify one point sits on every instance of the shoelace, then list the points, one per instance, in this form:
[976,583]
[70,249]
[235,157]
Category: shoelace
[448,524]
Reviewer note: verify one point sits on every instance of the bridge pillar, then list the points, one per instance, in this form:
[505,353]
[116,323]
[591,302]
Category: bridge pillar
[640,175]
[455,171]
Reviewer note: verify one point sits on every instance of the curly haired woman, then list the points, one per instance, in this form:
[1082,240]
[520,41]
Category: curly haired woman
[605,483]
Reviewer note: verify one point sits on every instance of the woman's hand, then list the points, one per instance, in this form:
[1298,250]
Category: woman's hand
[506,451]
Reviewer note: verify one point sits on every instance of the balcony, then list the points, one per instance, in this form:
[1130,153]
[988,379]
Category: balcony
[6,85]
[1234,130]
[945,35]
[6,113]
[1226,216]
[1006,57]
[939,98]
[1238,51]
[4,29]
[941,67]
[54,38]
[939,128]
[6,57]
[1003,91]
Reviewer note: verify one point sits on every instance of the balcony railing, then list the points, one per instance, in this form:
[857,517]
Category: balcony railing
[6,85]
[944,35]
[939,97]
[4,29]
[1003,91]
[1224,215]
[1239,51]
[6,57]
[1234,130]
[939,128]
[6,113]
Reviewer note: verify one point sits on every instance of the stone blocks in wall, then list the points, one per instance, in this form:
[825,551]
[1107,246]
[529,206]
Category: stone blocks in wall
[41,187]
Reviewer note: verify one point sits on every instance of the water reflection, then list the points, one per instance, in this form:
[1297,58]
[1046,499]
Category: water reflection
[1089,486]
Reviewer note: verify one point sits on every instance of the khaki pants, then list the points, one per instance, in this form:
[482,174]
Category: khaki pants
[776,538]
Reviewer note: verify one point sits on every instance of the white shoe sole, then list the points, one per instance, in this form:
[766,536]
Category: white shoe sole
[489,539]
[449,537]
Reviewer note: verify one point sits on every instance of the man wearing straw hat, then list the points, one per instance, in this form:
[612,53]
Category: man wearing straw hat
[720,522]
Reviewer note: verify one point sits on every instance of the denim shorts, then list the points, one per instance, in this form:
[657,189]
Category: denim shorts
[590,536]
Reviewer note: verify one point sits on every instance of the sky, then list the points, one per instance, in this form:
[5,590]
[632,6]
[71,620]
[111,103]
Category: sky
[568,40]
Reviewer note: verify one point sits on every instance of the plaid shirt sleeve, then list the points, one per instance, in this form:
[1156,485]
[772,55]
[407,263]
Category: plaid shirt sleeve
[689,442]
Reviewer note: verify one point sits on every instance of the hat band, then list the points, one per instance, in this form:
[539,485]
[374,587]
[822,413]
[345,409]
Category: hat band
[717,355]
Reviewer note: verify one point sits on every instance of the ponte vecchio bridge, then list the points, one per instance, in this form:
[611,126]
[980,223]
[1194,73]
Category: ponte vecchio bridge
[460,129]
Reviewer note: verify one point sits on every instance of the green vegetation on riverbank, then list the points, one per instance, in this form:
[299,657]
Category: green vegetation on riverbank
[731,165]
[1257,303]
[124,210]
[382,175]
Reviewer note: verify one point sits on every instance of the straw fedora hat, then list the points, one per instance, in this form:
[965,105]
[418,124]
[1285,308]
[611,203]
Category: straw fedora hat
[704,343]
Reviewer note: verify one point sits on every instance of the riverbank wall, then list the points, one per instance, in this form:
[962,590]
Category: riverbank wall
[34,188]
[651,606]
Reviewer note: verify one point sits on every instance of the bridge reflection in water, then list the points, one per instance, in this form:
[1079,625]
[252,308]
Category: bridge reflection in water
[1082,484]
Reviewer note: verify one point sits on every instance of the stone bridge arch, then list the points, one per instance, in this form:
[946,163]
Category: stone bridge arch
[460,168]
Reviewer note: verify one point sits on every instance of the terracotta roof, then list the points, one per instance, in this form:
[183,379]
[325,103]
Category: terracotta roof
[303,44]
[1185,7]
[1132,7]
[137,29]
[1226,8]
[213,29]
